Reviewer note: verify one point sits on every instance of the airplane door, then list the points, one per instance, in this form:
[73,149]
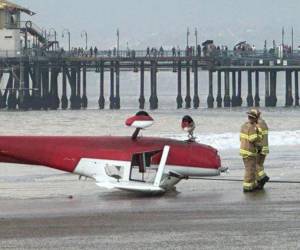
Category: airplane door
[140,166]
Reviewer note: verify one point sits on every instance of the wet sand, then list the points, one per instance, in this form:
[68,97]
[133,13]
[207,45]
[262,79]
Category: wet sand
[37,212]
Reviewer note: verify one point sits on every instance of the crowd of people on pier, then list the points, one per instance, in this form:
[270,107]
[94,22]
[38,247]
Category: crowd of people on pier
[81,52]
[149,52]
[207,49]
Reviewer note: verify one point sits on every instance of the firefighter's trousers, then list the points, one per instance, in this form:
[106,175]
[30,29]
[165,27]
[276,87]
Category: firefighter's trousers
[260,170]
[250,173]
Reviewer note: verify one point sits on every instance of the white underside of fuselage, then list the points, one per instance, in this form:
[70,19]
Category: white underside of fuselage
[113,174]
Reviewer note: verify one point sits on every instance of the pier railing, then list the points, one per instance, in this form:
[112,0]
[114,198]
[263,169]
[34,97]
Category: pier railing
[169,54]
[127,54]
[217,59]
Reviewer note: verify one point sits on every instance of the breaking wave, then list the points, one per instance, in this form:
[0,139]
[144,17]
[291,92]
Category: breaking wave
[231,140]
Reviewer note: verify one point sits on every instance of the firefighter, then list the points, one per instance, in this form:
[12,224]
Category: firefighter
[250,142]
[263,129]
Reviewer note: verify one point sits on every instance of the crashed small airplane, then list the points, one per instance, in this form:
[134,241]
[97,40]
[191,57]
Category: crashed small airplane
[136,163]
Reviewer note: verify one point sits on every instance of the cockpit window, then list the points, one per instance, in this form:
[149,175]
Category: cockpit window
[139,164]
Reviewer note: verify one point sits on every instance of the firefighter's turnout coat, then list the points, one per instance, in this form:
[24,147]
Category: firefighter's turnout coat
[263,131]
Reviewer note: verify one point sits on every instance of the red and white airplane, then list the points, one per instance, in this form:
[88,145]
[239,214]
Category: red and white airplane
[118,162]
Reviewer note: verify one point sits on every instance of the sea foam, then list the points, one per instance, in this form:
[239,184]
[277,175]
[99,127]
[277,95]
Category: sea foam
[231,140]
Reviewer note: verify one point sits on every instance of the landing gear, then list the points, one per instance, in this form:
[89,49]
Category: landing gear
[188,125]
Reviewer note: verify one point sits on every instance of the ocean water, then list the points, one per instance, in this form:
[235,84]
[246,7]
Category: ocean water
[218,127]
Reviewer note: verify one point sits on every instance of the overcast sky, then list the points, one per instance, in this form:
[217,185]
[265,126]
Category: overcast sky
[164,22]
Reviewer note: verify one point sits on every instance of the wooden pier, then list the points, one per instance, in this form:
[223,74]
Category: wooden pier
[33,78]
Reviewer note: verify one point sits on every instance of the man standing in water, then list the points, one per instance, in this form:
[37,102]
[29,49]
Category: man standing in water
[250,142]
[263,151]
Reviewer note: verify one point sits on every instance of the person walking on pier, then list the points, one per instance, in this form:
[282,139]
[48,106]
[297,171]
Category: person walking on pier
[178,51]
[95,51]
[174,51]
[199,50]
[161,51]
[263,151]
[250,142]
[91,51]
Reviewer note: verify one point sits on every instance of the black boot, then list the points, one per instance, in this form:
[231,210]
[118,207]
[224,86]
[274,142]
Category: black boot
[262,182]
[248,190]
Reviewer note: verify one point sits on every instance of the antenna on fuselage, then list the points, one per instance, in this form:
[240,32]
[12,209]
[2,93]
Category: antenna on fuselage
[139,121]
[188,125]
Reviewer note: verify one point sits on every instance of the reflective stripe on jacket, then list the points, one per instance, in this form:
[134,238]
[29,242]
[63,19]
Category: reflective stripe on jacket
[264,133]
[249,138]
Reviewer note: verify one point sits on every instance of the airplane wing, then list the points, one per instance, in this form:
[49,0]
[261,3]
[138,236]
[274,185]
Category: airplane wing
[161,182]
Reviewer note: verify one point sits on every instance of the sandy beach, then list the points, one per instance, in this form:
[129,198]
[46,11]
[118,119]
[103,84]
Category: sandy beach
[44,209]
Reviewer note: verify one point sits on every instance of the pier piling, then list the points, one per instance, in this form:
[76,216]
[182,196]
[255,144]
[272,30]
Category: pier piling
[179,98]
[296,89]
[78,87]
[25,104]
[84,99]
[210,98]
[45,92]
[2,97]
[117,104]
[196,100]
[54,99]
[142,86]
[289,92]
[64,98]
[273,88]
[219,94]
[250,96]
[257,98]
[155,70]
[227,100]
[112,87]
[151,99]
[239,91]
[234,100]
[101,100]
[36,87]
[267,89]
[188,98]
[12,98]
[73,82]
[153,86]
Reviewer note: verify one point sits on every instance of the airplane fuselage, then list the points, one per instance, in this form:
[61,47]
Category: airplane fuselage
[66,153]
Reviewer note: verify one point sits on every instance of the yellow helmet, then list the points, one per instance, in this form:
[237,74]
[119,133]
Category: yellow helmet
[254,113]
